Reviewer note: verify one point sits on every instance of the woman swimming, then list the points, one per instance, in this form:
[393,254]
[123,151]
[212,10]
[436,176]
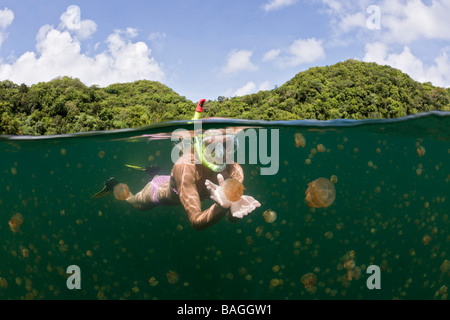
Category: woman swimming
[191,181]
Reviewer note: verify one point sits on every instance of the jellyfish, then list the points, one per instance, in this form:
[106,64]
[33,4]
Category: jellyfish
[3,283]
[445,266]
[270,216]
[321,148]
[420,151]
[15,222]
[299,140]
[349,264]
[320,193]
[233,189]
[309,280]
[353,273]
[172,277]
[334,179]
[121,191]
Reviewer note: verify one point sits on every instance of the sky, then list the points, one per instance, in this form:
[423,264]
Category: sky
[211,48]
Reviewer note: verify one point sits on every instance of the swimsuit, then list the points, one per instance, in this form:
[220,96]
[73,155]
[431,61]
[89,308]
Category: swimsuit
[157,182]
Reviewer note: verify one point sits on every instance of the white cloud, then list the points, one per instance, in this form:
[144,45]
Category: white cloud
[277,4]
[71,20]
[353,21]
[406,61]
[401,21]
[58,53]
[249,88]
[238,61]
[271,54]
[408,21]
[302,51]
[6,18]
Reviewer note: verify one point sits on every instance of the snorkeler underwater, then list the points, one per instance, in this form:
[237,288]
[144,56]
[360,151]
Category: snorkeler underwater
[199,173]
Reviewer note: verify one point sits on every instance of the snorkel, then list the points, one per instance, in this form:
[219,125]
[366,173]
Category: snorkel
[199,109]
[199,145]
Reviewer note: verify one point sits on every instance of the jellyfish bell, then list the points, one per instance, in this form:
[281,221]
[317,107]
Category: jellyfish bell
[13,225]
[15,222]
[299,140]
[172,277]
[121,191]
[320,193]
[233,189]
[270,216]
[309,280]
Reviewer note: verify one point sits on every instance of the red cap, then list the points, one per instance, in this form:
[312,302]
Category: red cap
[200,105]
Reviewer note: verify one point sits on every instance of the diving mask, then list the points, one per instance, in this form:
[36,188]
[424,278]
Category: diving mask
[216,151]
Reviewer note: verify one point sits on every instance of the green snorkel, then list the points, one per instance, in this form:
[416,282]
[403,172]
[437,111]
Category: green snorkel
[199,149]
[199,146]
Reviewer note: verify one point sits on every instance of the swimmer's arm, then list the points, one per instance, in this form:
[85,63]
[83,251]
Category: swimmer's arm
[190,199]
[200,220]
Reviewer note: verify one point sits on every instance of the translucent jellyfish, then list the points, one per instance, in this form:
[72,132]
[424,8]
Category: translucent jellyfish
[172,277]
[25,252]
[299,140]
[233,189]
[3,283]
[445,266]
[121,191]
[270,216]
[320,193]
[309,280]
[349,264]
[321,148]
[426,239]
[153,282]
[15,222]
[420,151]
[353,273]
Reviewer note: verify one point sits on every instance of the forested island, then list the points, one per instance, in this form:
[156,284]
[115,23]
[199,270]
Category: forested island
[346,90]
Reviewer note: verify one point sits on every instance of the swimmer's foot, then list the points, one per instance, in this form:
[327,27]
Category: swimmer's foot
[107,189]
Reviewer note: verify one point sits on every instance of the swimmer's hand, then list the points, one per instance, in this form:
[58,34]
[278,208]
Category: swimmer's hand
[244,206]
[240,208]
[216,192]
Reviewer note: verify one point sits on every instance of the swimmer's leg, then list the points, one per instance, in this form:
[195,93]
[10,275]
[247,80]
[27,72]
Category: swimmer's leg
[107,189]
[143,200]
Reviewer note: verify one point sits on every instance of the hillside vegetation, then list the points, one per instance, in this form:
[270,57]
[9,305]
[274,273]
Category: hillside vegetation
[348,90]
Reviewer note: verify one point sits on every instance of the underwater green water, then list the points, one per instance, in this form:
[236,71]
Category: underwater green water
[391,209]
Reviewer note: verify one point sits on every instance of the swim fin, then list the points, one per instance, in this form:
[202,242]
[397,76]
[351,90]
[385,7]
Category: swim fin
[107,189]
[150,170]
